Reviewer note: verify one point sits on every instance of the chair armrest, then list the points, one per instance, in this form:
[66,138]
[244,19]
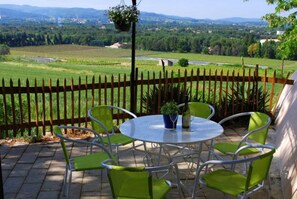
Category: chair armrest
[212,111]
[235,116]
[223,162]
[124,110]
[268,146]
[109,163]
[84,142]
[83,129]
[236,161]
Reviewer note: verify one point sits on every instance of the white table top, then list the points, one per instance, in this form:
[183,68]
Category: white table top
[151,128]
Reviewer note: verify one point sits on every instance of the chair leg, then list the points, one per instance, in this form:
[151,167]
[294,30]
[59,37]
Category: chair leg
[177,177]
[209,157]
[268,189]
[69,184]
[65,181]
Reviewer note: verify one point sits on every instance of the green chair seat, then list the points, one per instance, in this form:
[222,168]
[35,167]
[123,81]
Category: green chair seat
[89,162]
[226,181]
[103,123]
[160,188]
[233,180]
[118,139]
[231,147]
[257,131]
[136,182]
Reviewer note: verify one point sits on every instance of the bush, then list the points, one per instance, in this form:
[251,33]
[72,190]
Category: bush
[4,50]
[183,62]
[171,92]
[243,100]
[169,108]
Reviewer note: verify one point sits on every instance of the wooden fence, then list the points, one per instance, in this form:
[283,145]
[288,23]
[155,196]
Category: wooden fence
[33,110]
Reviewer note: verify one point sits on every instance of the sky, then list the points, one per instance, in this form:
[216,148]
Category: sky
[200,9]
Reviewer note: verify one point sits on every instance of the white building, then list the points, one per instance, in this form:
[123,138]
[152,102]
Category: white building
[118,45]
[280,32]
[262,41]
[166,62]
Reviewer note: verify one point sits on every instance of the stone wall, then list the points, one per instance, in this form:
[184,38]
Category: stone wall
[286,139]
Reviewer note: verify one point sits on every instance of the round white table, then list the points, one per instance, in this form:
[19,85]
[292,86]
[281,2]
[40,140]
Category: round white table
[151,128]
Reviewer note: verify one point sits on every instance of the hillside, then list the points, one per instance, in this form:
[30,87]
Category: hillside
[9,13]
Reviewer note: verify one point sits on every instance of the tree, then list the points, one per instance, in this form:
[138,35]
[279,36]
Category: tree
[252,49]
[4,49]
[183,62]
[285,17]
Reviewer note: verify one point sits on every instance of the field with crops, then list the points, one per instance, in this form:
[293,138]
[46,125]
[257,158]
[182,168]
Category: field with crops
[73,61]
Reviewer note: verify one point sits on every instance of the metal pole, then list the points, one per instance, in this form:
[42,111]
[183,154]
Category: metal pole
[1,180]
[132,77]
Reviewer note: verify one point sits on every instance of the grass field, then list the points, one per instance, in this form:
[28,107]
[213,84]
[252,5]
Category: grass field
[85,61]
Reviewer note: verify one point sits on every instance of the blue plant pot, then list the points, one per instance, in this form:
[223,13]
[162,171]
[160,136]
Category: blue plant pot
[170,121]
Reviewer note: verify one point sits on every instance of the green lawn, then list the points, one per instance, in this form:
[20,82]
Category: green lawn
[85,61]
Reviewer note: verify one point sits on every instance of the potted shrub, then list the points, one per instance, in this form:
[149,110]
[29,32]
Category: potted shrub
[170,114]
[122,16]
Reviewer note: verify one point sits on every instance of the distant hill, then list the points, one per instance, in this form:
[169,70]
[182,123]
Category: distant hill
[9,12]
[241,20]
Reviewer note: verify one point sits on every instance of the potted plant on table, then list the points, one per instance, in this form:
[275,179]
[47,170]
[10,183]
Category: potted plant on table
[122,16]
[170,114]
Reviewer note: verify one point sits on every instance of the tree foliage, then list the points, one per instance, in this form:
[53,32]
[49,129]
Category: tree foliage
[214,39]
[285,17]
[183,62]
[4,50]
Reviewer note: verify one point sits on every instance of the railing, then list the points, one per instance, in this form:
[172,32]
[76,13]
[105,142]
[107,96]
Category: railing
[34,109]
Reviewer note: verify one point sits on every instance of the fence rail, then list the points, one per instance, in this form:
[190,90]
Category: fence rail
[36,109]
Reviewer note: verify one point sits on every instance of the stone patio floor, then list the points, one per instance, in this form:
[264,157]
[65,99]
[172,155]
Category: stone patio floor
[37,171]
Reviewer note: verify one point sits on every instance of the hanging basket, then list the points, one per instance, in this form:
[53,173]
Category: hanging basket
[122,27]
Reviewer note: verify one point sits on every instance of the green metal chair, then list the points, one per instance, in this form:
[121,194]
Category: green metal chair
[232,182]
[80,163]
[200,109]
[102,123]
[185,153]
[256,133]
[137,182]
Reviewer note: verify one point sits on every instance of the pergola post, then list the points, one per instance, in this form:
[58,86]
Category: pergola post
[1,182]
[133,89]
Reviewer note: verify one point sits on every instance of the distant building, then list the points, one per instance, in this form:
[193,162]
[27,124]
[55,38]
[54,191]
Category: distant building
[118,45]
[262,41]
[280,32]
[166,62]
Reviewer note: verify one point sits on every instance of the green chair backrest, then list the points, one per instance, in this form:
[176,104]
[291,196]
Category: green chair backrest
[130,182]
[258,120]
[200,109]
[58,132]
[259,169]
[104,115]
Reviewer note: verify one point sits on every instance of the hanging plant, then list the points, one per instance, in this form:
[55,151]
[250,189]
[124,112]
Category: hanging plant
[122,16]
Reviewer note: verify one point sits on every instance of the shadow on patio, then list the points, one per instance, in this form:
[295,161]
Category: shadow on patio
[36,171]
